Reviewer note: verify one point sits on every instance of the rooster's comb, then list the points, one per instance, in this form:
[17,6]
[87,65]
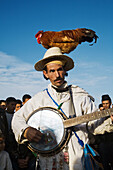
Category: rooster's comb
[38,33]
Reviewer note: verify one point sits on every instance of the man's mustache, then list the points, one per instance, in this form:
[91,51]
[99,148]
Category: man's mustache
[58,79]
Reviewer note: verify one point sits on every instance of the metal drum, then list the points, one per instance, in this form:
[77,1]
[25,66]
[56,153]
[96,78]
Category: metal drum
[50,122]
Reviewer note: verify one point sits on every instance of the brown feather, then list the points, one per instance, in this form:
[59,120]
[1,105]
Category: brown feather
[67,40]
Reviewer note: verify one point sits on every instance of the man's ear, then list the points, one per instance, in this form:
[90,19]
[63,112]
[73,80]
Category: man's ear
[45,73]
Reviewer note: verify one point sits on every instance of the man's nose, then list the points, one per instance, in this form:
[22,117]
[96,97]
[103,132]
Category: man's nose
[57,74]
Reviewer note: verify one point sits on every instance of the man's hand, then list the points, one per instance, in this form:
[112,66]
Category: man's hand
[32,134]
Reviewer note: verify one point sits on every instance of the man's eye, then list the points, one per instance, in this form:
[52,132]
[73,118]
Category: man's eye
[60,69]
[52,70]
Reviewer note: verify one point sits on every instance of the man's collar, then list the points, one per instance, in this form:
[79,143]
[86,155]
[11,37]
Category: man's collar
[63,88]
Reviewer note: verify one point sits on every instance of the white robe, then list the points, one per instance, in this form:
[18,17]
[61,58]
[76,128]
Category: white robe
[83,104]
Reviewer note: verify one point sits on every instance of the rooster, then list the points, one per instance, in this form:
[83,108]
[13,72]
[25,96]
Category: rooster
[66,40]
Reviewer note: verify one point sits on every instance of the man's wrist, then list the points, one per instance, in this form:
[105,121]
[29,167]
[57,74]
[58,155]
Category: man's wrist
[25,132]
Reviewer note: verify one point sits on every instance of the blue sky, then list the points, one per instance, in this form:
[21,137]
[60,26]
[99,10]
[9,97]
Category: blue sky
[20,20]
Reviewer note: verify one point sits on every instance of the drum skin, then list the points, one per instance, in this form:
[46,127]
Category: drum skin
[50,122]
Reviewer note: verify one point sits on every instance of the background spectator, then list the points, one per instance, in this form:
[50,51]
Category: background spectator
[25,98]
[106,101]
[5,162]
[3,104]
[25,158]
[11,144]
[18,105]
[105,141]
[3,122]
[100,107]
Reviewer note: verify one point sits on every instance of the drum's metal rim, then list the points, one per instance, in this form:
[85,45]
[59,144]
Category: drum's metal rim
[47,108]
[65,138]
[56,150]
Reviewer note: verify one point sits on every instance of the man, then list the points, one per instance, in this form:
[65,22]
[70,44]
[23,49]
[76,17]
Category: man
[73,100]
[106,101]
[100,107]
[3,119]
[11,144]
[25,158]
[25,98]
[3,122]
[3,104]
[18,105]
[106,140]
[10,107]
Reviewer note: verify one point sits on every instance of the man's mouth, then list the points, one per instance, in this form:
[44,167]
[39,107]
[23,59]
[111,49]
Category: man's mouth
[58,80]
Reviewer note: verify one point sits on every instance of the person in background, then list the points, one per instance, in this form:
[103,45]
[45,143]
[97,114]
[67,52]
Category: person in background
[3,122]
[11,144]
[3,104]
[105,141]
[10,108]
[5,162]
[106,101]
[73,100]
[25,98]
[18,105]
[25,158]
[100,107]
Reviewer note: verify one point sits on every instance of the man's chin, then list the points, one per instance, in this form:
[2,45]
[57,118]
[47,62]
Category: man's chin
[58,84]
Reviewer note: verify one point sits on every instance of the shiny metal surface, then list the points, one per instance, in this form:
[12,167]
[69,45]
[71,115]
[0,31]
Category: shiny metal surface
[50,123]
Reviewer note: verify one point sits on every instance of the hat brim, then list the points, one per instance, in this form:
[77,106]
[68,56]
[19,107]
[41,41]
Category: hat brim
[39,66]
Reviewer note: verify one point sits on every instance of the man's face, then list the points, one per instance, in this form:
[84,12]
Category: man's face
[2,144]
[55,73]
[18,106]
[106,104]
[3,105]
[25,101]
[11,107]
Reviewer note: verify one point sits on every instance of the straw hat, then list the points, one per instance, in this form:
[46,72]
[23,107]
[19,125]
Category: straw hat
[53,54]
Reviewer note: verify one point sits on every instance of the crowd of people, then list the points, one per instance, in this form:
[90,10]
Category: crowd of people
[13,156]
[71,100]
